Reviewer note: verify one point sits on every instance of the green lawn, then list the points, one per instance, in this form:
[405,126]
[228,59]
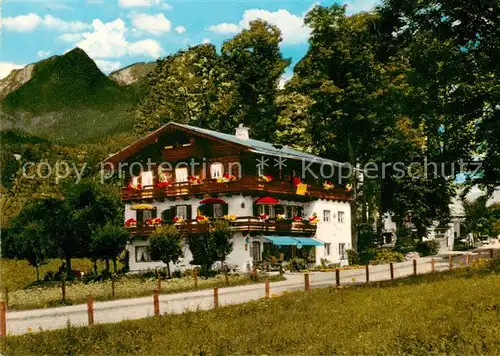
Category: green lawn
[18,274]
[456,312]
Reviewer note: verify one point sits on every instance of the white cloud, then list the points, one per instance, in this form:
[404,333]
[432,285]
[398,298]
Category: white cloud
[292,26]
[64,26]
[71,37]
[154,24]
[354,7]
[21,23]
[7,67]
[180,29]
[28,23]
[43,54]
[149,47]
[206,40]
[224,28]
[138,3]
[108,40]
[107,66]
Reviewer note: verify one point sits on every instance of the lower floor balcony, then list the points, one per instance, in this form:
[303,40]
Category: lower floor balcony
[248,224]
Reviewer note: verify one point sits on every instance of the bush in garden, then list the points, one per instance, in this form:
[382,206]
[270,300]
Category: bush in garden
[428,248]
[353,257]
[405,244]
[297,264]
[386,255]
[165,244]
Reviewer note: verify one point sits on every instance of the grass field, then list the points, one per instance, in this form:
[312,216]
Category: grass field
[456,312]
[17,274]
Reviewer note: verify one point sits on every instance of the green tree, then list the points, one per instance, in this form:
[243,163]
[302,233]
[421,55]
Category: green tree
[165,244]
[34,245]
[108,242]
[254,66]
[222,234]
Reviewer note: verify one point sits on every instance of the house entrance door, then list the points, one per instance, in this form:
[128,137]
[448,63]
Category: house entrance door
[256,254]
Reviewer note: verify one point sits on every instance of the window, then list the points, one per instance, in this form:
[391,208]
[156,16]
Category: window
[181,211]
[326,215]
[147,179]
[267,209]
[341,217]
[181,174]
[218,210]
[216,170]
[327,249]
[342,251]
[142,254]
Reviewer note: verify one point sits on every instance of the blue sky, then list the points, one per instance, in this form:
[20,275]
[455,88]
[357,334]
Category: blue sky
[116,33]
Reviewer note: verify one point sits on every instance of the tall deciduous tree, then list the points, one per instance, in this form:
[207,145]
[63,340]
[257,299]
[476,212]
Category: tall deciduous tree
[165,244]
[34,245]
[108,242]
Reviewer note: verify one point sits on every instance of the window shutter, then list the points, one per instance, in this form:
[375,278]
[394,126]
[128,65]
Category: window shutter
[279,209]
[153,214]
[166,215]
[189,212]
[255,210]
[139,216]
[225,209]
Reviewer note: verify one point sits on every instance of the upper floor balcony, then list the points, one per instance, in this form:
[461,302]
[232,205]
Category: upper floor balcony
[245,185]
[245,224]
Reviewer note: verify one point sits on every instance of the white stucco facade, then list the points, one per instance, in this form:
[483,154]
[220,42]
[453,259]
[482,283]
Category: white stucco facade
[334,230]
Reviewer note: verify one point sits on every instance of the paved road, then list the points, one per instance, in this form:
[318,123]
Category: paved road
[19,322]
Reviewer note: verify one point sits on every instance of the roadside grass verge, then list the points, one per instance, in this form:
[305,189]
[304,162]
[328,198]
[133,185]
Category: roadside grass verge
[125,287]
[457,312]
[18,274]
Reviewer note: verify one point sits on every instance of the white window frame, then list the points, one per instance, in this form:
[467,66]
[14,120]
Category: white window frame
[328,248]
[327,215]
[341,217]
[181,174]
[147,179]
[181,211]
[218,210]
[267,209]
[342,250]
[216,170]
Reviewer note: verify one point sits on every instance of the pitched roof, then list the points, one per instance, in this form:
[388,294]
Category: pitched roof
[255,146]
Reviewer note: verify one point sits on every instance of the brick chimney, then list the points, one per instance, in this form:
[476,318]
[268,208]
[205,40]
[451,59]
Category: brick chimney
[242,132]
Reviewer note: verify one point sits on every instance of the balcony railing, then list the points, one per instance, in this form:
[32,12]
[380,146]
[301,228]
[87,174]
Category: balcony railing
[242,224]
[246,184]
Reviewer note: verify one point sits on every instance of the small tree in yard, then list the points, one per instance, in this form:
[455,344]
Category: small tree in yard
[35,246]
[108,242]
[165,244]
[222,235]
[212,246]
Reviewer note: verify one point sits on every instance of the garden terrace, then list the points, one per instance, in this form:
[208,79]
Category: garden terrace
[247,224]
[247,185]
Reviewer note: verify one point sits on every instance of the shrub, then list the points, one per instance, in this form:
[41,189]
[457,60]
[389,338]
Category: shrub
[386,255]
[352,257]
[405,245]
[297,264]
[428,248]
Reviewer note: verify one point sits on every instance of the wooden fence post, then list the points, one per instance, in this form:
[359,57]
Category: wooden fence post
[216,298]
[414,266]
[267,288]
[90,309]
[63,288]
[112,286]
[6,296]
[491,253]
[337,277]
[433,265]
[3,318]
[195,275]
[367,269]
[158,281]
[307,285]
[156,303]
[450,261]
[391,266]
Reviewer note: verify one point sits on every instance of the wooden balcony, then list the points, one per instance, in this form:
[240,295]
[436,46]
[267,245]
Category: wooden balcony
[245,224]
[246,185]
